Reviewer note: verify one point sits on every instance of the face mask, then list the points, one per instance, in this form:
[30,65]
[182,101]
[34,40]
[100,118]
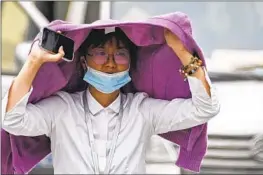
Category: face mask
[106,83]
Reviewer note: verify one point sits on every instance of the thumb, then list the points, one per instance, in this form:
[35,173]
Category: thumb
[58,56]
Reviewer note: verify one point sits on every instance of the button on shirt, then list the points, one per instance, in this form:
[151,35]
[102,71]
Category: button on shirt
[62,118]
[104,121]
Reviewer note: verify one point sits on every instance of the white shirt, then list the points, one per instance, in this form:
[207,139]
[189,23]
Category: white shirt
[61,117]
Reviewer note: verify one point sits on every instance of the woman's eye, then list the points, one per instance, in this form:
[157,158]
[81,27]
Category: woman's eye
[101,53]
[120,53]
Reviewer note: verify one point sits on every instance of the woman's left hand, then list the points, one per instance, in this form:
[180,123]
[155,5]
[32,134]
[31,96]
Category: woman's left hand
[173,41]
[178,47]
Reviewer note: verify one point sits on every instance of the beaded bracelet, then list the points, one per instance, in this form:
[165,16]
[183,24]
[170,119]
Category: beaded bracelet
[191,68]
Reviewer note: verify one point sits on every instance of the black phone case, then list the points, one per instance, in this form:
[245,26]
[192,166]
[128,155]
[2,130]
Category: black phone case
[51,41]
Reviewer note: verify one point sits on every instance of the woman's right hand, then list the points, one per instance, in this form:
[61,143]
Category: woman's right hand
[41,56]
[23,81]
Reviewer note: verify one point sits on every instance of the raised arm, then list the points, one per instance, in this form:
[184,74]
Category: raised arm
[185,57]
[23,82]
[178,114]
[18,117]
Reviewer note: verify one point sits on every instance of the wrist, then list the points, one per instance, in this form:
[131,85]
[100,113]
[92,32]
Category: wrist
[184,56]
[29,70]
[34,63]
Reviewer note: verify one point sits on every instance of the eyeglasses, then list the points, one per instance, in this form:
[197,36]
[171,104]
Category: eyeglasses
[99,56]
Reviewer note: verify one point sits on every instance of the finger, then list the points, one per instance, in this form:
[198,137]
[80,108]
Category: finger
[61,50]
[166,30]
[58,56]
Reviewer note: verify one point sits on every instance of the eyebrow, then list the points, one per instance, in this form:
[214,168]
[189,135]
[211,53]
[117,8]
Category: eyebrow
[118,47]
[101,46]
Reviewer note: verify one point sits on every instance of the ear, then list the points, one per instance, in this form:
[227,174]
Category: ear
[83,62]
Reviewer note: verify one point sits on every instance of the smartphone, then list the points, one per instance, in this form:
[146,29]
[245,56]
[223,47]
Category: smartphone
[51,41]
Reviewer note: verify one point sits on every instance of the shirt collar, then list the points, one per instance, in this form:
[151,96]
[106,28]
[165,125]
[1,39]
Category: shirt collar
[95,107]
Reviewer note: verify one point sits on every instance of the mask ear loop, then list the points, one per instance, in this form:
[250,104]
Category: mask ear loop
[84,62]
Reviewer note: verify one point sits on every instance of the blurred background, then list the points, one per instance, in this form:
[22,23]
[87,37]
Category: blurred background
[231,36]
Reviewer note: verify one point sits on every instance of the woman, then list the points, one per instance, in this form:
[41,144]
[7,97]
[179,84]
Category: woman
[101,129]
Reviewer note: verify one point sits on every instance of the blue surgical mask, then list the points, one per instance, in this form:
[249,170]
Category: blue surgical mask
[104,82]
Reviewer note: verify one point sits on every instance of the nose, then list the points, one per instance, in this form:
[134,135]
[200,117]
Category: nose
[111,48]
[111,62]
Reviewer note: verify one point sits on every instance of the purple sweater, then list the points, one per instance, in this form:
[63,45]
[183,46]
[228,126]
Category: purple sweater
[157,75]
